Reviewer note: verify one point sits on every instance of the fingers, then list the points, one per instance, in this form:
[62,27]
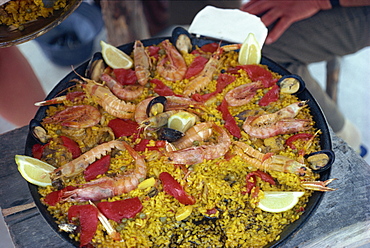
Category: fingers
[279,28]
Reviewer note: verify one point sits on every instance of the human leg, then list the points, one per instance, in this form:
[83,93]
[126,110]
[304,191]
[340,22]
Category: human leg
[19,87]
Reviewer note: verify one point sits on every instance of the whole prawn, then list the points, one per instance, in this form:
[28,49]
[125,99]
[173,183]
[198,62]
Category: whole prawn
[197,133]
[280,122]
[242,94]
[142,63]
[79,116]
[173,66]
[110,103]
[128,92]
[205,76]
[106,187]
[79,164]
[194,155]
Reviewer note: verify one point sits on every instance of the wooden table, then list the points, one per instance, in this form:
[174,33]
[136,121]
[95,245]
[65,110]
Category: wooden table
[341,220]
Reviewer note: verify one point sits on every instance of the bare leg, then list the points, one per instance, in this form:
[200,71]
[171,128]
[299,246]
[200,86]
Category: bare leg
[19,87]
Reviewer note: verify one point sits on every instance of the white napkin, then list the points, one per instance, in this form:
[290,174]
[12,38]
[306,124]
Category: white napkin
[231,25]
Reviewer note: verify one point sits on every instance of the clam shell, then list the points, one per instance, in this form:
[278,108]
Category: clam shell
[291,84]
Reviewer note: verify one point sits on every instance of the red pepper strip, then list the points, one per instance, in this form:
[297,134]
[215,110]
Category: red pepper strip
[196,66]
[223,80]
[211,211]
[256,73]
[153,51]
[38,150]
[230,123]
[302,136]
[162,89]
[263,175]
[271,96]
[125,76]
[72,146]
[123,127]
[88,216]
[118,210]
[210,47]
[54,197]
[172,187]
[99,167]
[144,144]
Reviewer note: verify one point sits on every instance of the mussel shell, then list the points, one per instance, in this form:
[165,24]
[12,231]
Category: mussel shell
[321,160]
[38,132]
[179,32]
[291,84]
[159,100]
[169,134]
[95,67]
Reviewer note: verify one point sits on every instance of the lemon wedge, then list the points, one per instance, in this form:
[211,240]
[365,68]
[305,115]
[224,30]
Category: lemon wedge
[276,202]
[181,121]
[183,212]
[114,57]
[33,170]
[250,51]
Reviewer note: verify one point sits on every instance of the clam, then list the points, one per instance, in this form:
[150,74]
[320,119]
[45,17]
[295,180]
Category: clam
[291,84]
[38,132]
[321,160]
[156,106]
[169,134]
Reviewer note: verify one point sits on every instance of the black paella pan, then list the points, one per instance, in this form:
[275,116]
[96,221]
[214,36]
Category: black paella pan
[302,94]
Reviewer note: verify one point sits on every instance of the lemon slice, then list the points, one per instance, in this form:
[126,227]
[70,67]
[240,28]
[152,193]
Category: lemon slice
[114,57]
[276,202]
[181,121]
[33,170]
[250,51]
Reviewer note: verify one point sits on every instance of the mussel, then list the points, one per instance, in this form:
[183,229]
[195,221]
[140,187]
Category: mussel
[321,160]
[169,134]
[95,67]
[182,40]
[291,84]
[156,106]
[38,132]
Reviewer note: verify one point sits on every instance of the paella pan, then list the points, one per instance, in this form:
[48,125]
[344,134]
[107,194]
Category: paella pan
[206,194]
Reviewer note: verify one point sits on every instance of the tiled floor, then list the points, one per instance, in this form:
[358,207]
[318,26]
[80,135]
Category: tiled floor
[354,91]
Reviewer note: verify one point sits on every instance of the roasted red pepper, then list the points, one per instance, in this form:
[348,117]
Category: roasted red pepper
[144,144]
[196,66]
[54,197]
[72,146]
[38,150]
[118,210]
[161,89]
[256,73]
[99,167]
[123,127]
[302,136]
[172,187]
[252,183]
[88,216]
[230,123]
[210,47]
[153,51]
[271,96]
[223,80]
[125,76]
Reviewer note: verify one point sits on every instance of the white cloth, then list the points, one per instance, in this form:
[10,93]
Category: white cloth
[231,25]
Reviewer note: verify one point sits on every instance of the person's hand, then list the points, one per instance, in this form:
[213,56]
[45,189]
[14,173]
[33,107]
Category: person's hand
[284,13]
